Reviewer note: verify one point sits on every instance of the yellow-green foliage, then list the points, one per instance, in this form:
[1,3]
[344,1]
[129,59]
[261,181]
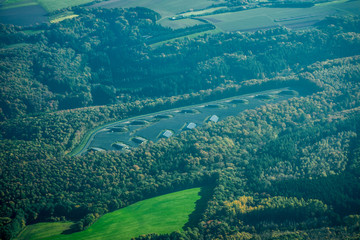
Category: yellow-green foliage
[246,204]
[56,20]
[240,236]
[242,205]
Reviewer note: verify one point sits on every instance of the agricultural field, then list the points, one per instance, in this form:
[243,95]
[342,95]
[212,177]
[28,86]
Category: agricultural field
[347,7]
[23,13]
[163,214]
[105,137]
[201,12]
[181,23]
[164,7]
[51,5]
[30,12]
[17,4]
[263,18]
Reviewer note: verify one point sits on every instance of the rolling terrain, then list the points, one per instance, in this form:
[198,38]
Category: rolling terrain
[163,214]
[255,112]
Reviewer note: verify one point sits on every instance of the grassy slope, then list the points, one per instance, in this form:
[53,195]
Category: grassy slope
[163,214]
[43,230]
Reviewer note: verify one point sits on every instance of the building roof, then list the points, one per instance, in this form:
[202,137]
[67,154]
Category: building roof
[138,122]
[191,125]
[121,146]
[96,149]
[139,140]
[167,134]
[239,101]
[188,111]
[213,106]
[214,118]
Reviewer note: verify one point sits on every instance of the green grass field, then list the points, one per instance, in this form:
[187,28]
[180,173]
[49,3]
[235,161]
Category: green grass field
[48,5]
[167,8]
[200,12]
[11,1]
[181,23]
[260,18]
[330,3]
[52,5]
[43,230]
[163,214]
[17,4]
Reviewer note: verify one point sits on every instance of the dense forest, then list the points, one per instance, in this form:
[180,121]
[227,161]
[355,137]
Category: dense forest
[282,171]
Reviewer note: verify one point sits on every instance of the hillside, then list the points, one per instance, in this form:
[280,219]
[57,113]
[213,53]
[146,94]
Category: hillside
[282,162]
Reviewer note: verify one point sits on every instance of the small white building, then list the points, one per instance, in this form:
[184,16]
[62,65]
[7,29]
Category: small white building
[214,118]
[191,126]
[139,140]
[167,134]
[121,146]
[96,149]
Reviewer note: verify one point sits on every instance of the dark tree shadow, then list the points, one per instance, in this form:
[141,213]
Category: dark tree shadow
[200,206]
[73,229]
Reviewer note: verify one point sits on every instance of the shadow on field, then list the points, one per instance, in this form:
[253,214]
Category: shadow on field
[73,229]
[200,206]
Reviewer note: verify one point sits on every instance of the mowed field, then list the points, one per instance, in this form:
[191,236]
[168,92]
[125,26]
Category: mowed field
[23,13]
[52,5]
[163,214]
[181,23]
[263,18]
[48,5]
[31,12]
[167,8]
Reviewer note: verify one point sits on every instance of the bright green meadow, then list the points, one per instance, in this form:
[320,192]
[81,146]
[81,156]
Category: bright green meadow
[43,230]
[163,214]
